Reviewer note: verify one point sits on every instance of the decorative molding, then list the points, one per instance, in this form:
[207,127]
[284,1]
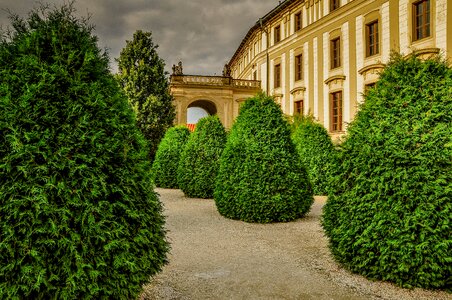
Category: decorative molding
[366,69]
[432,51]
[298,89]
[334,78]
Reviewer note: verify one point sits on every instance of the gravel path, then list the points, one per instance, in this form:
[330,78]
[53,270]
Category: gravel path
[216,258]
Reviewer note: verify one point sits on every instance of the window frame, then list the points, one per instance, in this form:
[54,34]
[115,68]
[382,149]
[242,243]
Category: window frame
[335,53]
[298,22]
[336,111]
[299,67]
[299,107]
[277,34]
[423,30]
[277,76]
[334,5]
[374,48]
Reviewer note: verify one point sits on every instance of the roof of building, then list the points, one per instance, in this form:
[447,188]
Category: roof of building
[259,23]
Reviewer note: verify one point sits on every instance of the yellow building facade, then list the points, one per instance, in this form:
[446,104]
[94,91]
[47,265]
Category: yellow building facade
[319,56]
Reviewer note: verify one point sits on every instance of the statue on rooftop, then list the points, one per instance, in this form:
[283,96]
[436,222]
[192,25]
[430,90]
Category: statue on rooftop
[226,71]
[177,69]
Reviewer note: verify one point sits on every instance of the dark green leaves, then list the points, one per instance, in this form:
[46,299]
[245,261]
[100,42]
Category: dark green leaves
[260,177]
[316,152]
[388,216]
[200,159]
[166,161]
[78,215]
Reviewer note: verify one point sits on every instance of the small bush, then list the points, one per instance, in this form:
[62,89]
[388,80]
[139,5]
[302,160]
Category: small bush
[389,214]
[261,178]
[78,215]
[316,152]
[200,159]
[168,155]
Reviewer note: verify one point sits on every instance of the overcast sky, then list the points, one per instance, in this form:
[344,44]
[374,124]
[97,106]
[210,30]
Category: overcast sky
[204,34]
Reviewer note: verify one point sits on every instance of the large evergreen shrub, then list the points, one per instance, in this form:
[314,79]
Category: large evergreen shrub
[200,159]
[261,178]
[78,215]
[389,215]
[316,152]
[168,155]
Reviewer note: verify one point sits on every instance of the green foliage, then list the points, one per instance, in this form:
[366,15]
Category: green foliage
[200,159]
[78,215]
[168,155]
[316,152]
[142,77]
[261,178]
[389,214]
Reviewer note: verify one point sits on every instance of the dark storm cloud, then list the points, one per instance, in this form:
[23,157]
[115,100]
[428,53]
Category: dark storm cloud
[202,33]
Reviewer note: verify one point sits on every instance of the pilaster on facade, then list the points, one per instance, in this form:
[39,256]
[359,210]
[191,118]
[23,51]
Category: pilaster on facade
[385,34]
[326,7]
[441,24]
[403,26]
[264,82]
[316,77]
[326,104]
[347,97]
[307,71]
[283,83]
[304,19]
[291,80]
[359,57]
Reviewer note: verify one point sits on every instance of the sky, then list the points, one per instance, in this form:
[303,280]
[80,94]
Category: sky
[203,34]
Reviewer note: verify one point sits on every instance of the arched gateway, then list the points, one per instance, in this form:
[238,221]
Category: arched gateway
[219,95]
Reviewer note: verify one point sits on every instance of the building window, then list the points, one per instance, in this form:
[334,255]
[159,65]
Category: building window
[334,4]
[421,19]
[298,67]
[277,33]
[369,86]
[372,40]
[335,53]
[336,111]
[255,75]
[277,76]
[297,21]
[299,107]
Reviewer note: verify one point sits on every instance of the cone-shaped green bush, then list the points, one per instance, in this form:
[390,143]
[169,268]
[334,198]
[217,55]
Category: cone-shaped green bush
[200,159]
[316,152]
[78,215]
[261,178]
[168,155]
[389,215]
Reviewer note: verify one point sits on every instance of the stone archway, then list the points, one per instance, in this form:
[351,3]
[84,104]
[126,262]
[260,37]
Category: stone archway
[199,109]
[207,105]
[217,95]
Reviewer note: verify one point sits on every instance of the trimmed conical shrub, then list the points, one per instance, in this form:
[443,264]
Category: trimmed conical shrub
[78,215]
[389,215]
[168,155]
[261,178]
[200,159]
[316,152]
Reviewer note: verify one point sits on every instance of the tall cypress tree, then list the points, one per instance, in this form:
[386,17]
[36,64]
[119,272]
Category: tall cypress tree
[143,78]
[78,216]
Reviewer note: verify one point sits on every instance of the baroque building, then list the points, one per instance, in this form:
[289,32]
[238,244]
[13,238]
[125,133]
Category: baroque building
[320,56]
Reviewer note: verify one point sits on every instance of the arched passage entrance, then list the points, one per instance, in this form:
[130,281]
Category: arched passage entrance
[199,109]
